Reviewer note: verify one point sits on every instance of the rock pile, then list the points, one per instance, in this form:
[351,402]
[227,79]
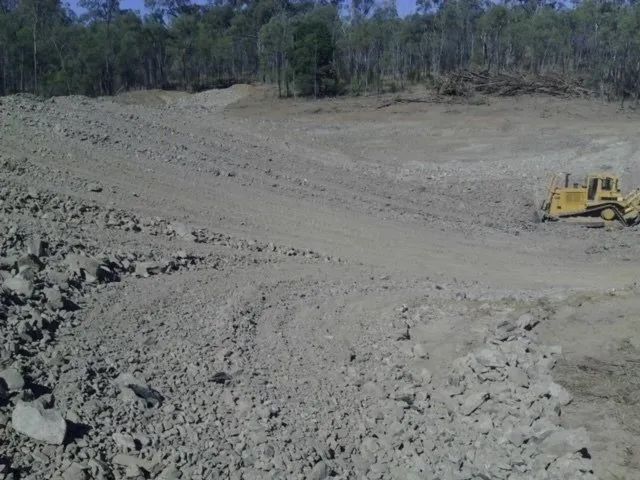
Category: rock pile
[495,416]
[505,412]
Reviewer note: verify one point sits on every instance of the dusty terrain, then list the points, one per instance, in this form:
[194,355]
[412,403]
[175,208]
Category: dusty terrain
[227,285]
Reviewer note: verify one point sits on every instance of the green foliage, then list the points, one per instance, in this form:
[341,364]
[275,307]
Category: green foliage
[307,48]
[312,57]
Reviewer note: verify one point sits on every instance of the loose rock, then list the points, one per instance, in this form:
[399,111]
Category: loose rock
[54,298]
[76,472]
[19,286]
[12,379]
[473,402]
[32,420]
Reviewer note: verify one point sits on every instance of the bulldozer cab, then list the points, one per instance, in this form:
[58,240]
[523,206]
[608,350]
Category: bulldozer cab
[603,187]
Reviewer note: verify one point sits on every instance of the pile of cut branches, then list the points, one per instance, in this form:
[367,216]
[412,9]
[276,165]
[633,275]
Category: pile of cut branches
[465,82]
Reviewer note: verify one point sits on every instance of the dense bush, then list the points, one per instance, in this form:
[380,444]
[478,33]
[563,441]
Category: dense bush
[311,48]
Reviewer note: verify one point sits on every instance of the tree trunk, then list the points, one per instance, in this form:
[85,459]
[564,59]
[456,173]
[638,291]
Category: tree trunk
[21,70]
[278,74]
[315,70]
[35,55]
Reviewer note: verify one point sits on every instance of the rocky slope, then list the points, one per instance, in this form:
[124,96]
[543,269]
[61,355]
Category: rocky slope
[186,293]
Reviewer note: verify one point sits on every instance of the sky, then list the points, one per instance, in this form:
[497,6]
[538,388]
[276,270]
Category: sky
[405,7]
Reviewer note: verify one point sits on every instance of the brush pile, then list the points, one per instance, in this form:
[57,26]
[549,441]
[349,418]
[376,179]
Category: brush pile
[465,83]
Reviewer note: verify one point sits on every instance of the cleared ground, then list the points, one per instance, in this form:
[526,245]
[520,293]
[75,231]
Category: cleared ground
[400,210]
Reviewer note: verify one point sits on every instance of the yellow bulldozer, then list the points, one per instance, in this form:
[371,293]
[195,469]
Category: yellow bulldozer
[595,202]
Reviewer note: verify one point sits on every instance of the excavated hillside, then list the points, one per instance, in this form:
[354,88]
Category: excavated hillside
[230,285]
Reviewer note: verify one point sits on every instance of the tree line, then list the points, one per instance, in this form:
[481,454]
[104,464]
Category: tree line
[311,47]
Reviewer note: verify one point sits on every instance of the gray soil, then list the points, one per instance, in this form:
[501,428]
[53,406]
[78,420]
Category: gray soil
[227,285]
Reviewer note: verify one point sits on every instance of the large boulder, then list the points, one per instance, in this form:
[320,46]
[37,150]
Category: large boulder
[562,442]
[19,286]
[473,402]
[132,388]
[93,269]
[144,269]
[12,379]
[34,421]
[54,298]
[29,262]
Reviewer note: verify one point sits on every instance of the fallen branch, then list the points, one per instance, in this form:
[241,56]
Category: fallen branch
[402,100]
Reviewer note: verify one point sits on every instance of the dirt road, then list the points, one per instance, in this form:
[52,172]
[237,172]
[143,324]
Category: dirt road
[306,286]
